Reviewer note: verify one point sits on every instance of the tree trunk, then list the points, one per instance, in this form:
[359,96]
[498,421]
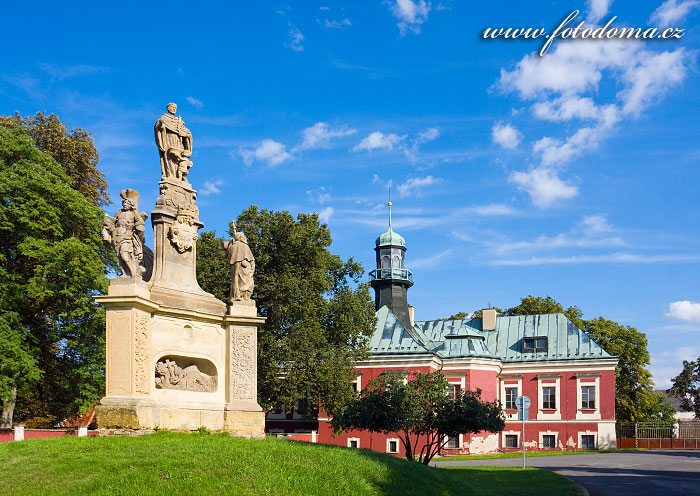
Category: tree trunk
[8,410]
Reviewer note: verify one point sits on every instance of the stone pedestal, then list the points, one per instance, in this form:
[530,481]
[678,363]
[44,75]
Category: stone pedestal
[176,358]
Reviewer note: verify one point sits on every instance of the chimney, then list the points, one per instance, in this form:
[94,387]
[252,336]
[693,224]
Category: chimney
[488,319]
[411,309]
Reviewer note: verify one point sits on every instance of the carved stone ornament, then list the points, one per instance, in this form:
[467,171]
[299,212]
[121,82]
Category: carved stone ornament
[183,232]
[243,361]
[169,375]
[142,351]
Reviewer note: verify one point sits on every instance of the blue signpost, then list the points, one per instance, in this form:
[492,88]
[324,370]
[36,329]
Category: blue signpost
[522,403]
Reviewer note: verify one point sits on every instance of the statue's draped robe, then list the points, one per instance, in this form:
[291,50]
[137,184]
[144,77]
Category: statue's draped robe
[242,267]
[172,138]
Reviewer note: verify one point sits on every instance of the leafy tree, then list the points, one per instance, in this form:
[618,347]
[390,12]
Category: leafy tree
[534,305]
[686,386]
[634,388]
[319,313]
[50,268]
[659,409]
[419,411]
[74,150]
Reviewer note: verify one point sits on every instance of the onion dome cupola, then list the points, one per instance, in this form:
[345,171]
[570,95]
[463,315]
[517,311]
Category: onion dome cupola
[391,279]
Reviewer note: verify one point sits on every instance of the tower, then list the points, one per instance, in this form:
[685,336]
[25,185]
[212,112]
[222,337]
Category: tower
[391,279]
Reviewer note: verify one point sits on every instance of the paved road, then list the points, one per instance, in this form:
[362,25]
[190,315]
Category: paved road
[631,473]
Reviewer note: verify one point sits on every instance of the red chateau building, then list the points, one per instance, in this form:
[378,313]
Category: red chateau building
[569,379]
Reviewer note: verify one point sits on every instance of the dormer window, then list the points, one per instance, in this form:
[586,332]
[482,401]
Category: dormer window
[535,344]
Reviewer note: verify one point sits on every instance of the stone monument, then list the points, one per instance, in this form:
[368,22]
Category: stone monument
[177,357]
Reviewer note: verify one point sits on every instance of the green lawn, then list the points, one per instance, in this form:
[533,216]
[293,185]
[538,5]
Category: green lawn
[529,454]
[194,464]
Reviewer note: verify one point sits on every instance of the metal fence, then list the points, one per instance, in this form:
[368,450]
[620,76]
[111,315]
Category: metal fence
[659,435]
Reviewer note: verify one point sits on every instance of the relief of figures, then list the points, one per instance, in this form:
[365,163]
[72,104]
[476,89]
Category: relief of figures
[125,232]
[174,142]
[242,263]
[171,376]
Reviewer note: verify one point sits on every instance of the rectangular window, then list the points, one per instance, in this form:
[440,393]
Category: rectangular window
[453,391]
[511,440]
[549,441]
[588,441]
[392,446]
[353,443]
[587,397]
[453,443]
[538,343]
[549,401]
[511,396]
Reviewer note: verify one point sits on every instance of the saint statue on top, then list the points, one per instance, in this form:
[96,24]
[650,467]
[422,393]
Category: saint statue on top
[174,142]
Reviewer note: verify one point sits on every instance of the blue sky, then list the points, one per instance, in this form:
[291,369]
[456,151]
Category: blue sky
[573,174]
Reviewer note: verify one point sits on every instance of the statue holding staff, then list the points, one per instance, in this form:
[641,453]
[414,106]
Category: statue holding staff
[174,142]
[242,266]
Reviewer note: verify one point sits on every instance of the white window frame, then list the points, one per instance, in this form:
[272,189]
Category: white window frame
[510,433]
[519,385]
[350,439]
[358,382]
[587,433]
[277,416]
[392,439]
[591,379]
[549,433]
[553,380]
[459,442]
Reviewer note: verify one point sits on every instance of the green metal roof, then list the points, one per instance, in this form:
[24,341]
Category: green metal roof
[465,338]
[390,238]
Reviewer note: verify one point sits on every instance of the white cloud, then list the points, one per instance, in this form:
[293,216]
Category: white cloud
[492,209]
[422,137]
[211,187]
[320,135]
[685,310]
[543,185]
[415,183]
[592,232]
[335,24]
[268,150]
[566,108]
[411,14]
[295,39]
[668,364]
[506,135]
[607,258]
[433,261]
[68,71]
[564,85]
[378,140]
[325,215]
[672,11]
[319,195]
[597,9]
[195,102]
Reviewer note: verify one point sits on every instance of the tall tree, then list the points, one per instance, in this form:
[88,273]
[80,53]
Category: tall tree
[50,268]
[74,150]
[319,313]
[686,386]
[418,409]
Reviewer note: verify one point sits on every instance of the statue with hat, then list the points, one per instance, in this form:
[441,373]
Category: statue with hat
[125,232]
[174,142]
[242,263]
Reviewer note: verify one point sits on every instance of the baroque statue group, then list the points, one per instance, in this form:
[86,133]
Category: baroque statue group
[125,231]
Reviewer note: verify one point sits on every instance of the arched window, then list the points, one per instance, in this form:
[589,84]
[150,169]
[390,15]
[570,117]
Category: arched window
[396,262]
[386,262]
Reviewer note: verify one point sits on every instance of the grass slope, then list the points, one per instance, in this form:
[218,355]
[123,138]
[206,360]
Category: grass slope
[169,463]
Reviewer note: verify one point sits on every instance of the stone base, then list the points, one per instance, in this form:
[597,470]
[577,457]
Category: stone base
[236,422]
[244,423]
